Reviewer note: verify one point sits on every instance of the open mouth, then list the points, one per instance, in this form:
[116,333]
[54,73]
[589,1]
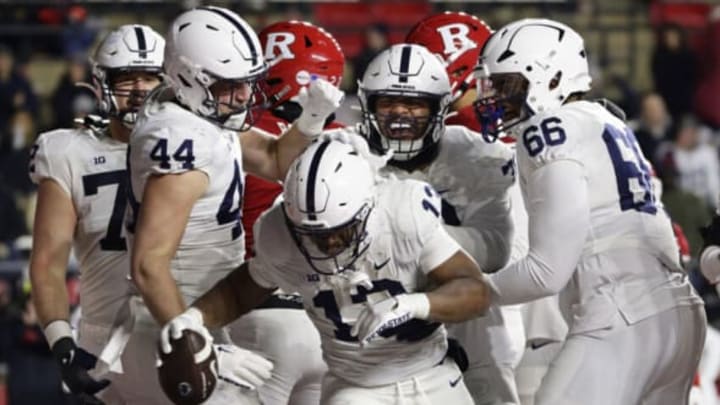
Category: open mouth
[401,129]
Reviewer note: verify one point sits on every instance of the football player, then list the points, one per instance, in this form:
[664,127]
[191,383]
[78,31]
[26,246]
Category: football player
[188,153]
[405,95]
[82,182]
[458,38]
[377,271]
[597,233]
[296,52]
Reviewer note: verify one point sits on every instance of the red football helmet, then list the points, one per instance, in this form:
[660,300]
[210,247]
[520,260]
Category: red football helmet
[458,39]
[298,52]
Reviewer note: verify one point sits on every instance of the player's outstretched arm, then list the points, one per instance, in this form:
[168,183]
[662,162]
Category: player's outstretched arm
[270,157]
[559,216]
[487,234]
[55,221]
[164,212]
[227,300]
[231,297]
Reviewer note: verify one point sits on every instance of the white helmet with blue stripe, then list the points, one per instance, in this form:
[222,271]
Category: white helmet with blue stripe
[209,44]
[328,196]
[129,48]
[407,71]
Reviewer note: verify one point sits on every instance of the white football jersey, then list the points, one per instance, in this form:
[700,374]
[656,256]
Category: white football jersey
[90,168]
[169,139]
[473,177]
[407,242]
[624,214]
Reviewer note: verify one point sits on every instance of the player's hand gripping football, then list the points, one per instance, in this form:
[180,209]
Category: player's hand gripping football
[191,319]
[318,101]
[389,313]
[235,365]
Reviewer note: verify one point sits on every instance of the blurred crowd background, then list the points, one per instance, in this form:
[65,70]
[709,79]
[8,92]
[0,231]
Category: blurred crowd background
[658,60]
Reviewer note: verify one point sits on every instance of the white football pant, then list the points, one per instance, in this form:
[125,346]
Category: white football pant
[494,344]
[440,385]
[288,338]
[651,362]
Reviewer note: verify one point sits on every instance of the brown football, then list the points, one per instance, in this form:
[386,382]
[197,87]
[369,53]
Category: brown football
[185,379]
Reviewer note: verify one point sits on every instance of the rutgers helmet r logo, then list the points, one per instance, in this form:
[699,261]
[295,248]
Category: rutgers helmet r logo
[455,38]
[278,47]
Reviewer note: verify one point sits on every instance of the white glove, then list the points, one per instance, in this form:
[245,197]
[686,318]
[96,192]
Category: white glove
[318,101]
[389,313]
[241,367]
[191,319]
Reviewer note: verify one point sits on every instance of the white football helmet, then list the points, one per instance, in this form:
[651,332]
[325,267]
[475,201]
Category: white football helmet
[527,67]
[206,45]
[405,70]
[129,48]
[328,196]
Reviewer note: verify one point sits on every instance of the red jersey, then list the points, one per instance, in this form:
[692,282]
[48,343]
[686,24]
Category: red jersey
[259,193]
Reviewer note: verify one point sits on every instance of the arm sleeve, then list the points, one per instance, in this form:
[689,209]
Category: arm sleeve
[49,160]
[438,248]
[259,271]
[487,232]
[559,223]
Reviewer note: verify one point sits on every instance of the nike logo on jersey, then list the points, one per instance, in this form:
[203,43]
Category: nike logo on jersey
[537,345]
[509,168]
[381,265]
[455,382]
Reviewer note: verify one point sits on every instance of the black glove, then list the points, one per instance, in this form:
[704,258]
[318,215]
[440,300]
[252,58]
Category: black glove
[711,232]
[74,365]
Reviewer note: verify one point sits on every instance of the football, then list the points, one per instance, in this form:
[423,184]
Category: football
[186,373]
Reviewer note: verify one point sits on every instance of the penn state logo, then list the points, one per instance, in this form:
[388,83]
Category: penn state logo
[184,389]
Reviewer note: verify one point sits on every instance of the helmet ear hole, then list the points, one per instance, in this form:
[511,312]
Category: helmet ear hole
[555,81]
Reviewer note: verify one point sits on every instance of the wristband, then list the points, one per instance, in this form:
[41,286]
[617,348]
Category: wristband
[57,330]
[419,303]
